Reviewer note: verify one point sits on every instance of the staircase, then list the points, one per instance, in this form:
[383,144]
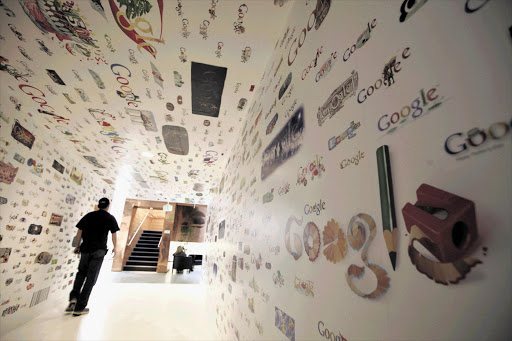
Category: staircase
[144,256]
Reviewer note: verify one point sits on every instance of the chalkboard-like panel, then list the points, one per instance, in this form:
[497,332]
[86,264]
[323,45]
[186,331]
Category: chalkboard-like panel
[176,139]
[207,87]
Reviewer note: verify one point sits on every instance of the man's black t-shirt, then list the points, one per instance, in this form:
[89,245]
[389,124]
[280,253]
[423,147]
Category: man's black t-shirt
[95,226]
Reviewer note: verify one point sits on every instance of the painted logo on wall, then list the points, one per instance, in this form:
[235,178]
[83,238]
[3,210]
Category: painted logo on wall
[459,142]
[7,172]
[386,77]
[335,101]
[409,7]
[59,18]
[357,228]
[420,107]
[285,324]
[354,160]
[349,133]
[314,168]
[135,11]
[22,135]
[285,145]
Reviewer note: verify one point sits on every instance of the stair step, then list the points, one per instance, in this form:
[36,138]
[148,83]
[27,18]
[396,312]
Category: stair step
[152,233]
[145,253]
[143,258]
[148,242]
[140,268]
[149,238]
[143,263]
[146,248]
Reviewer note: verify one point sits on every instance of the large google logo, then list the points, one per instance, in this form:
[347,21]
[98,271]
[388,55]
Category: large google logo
[457,143]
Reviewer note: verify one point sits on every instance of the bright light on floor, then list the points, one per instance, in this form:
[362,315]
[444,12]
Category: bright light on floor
[122,307]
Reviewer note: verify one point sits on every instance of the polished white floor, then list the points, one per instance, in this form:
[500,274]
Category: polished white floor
[130,306]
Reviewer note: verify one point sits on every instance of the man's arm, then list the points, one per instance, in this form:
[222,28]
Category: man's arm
[114,241]
[78,240]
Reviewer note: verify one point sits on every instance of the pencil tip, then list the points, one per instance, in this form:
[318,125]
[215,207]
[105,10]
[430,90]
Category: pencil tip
[392,256]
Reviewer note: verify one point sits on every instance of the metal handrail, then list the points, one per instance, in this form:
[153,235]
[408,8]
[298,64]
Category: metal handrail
[138,228]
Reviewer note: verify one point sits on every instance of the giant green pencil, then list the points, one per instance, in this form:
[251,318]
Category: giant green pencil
[387,202]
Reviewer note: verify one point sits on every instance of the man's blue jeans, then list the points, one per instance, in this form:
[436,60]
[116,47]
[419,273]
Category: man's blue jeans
[88,270]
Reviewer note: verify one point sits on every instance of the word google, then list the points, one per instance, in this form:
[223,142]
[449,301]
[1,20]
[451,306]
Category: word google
[336,140]
[363,38]
[384,122]
[326,67]
[42,102]
[315,168]
[329,335]
[354,160]
[476,137]
[303,32]
[108,130]
[378,83]
[313,61]
[127,93]
[317,207]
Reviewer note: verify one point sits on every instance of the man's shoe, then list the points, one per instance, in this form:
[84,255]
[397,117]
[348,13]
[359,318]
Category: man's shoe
[71,306]
[81,312]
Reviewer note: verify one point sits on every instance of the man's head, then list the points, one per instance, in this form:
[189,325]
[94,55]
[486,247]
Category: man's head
[104,203]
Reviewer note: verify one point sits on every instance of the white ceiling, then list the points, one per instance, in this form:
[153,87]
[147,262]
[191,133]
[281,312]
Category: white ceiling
[167,176]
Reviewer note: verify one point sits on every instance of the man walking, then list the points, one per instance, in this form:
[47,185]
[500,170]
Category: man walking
[93,229]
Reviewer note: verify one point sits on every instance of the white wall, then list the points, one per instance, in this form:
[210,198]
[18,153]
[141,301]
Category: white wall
[466,58]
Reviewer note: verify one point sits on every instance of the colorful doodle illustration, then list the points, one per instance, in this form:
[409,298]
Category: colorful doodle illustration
[76,176]
[285,324]
[97,79]
[22,135]
[178,81]
[135,10]
[59,18]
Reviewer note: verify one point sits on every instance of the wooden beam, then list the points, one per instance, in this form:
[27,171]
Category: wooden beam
[163,257]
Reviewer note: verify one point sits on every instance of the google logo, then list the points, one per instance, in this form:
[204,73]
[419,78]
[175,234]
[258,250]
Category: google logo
[476,137]
[416,108]
[378,83]
[329,335]
[127,91]
[360,41]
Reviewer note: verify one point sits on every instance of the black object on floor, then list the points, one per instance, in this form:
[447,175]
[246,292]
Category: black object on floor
[181,263]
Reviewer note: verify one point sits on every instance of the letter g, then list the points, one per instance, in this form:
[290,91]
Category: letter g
[296,52]
[386,127]
[319,330]
[364,99]
[117,73]
[448,150]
